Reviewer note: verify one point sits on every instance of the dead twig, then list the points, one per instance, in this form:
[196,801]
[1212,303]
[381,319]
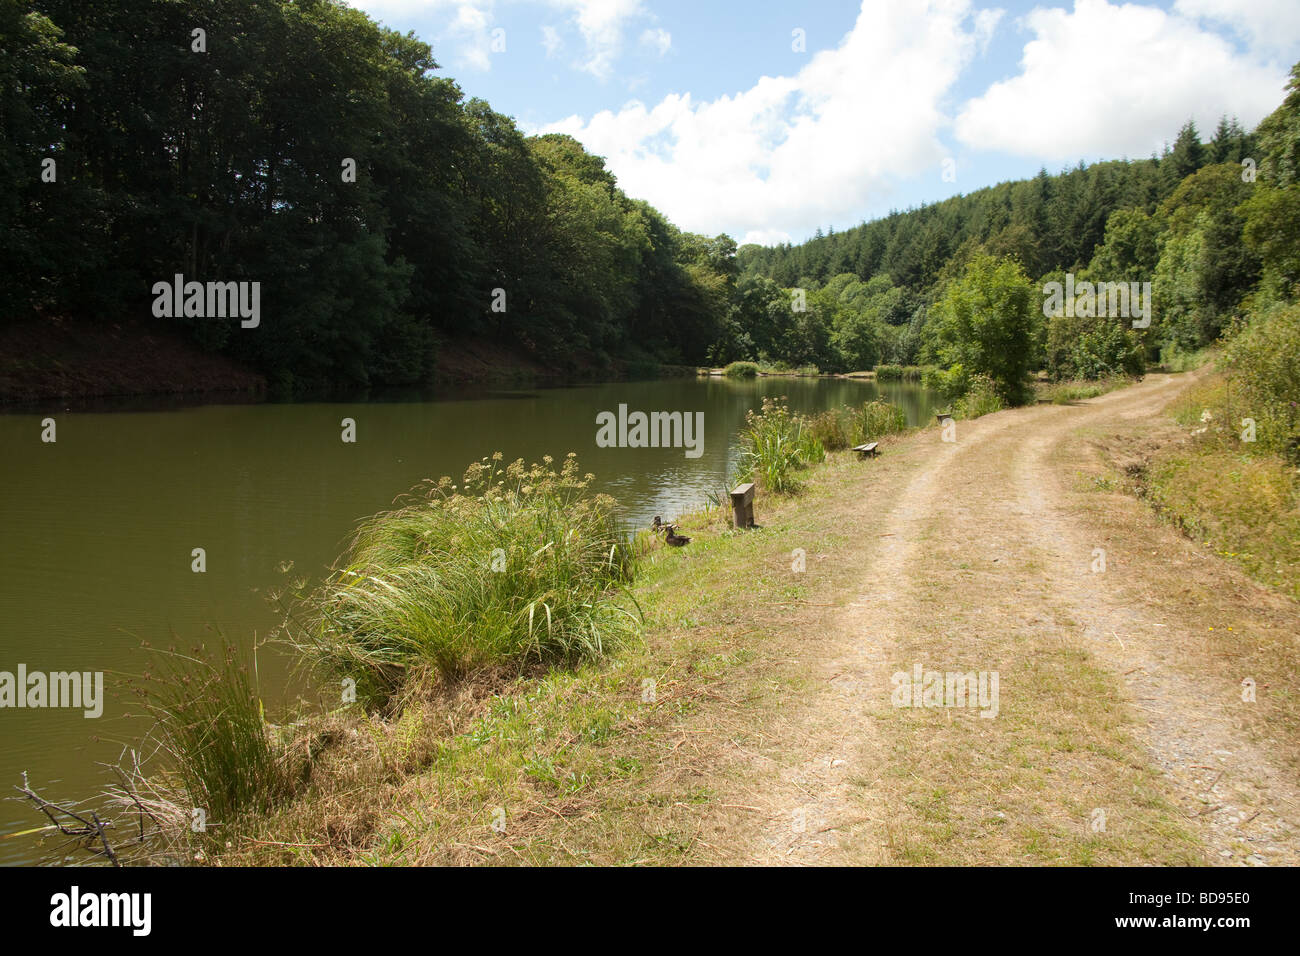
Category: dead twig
[89,828]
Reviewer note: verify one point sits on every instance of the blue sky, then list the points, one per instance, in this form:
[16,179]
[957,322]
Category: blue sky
[767,120]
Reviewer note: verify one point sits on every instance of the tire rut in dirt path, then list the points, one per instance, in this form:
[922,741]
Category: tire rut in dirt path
[831,796]
[980,559]
[1240,800]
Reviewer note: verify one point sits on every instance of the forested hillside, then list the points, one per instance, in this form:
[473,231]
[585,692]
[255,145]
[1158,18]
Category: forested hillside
[301,146]
[1173,220]
[223,157]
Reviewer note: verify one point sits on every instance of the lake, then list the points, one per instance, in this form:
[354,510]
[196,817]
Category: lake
[100,525]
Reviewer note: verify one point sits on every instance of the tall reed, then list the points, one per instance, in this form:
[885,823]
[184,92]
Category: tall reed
[774,446]
[212,730]
[515,564]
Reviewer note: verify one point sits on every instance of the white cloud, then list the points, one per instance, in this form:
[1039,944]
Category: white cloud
[1271,27]
[764,237]
[1108,80]
[658,40]
[465,40]
[601,23]
[986,21]
[470,26]
[794,151]
[551,40]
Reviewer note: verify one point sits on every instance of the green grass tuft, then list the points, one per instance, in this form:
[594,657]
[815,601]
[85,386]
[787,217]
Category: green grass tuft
[516,565]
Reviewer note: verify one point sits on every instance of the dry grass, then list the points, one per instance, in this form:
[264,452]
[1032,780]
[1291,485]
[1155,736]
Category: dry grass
[584,769]
[1227,628]
[771,688]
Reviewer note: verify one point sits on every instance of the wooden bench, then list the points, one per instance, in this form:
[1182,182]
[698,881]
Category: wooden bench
[943,417]
[866,451]
[742,505]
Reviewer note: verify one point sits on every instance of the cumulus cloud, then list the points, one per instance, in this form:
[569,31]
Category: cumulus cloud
[794,151]
[1107,80]
[1271,27]
[470,25]
[658,40]
[601,23]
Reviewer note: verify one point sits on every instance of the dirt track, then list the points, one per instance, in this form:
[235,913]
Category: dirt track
[982,555]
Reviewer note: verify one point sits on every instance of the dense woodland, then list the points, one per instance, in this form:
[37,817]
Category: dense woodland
[227,165]
[1204,223]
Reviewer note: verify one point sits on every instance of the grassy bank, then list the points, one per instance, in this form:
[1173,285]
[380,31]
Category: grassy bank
[1230,477]
[488,648]
[1235,497]
[1066,393]
[640,754]
[590,762]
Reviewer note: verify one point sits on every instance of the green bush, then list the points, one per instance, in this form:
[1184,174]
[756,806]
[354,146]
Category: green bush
[987,323]
[1263,365]
[515,565]
[741,370]
[831,428]
[212,731]
[901,373]
[1084,347]
[950,383]
[838,428]
[876,419]
[1066,393]
[1175,359]
[981,398]
[775,446]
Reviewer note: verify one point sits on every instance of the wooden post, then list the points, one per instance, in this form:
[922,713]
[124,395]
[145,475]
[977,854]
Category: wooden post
[742,505]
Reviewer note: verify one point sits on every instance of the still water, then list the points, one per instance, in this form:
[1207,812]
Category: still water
[99,526]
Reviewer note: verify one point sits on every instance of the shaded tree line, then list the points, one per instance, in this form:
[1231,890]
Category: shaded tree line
[221,156]
[227,165]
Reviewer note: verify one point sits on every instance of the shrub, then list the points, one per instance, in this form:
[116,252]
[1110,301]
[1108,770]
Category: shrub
[1174,359]
[838,428]
[741,370]
[986,324]
[211,728]
[831,428]
[515,565]
[901,373]
[982,398]
[774,446]
[1082,347]
[876,419]
[1248,509]
[1065,393]
[1263,366]
[950,383]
